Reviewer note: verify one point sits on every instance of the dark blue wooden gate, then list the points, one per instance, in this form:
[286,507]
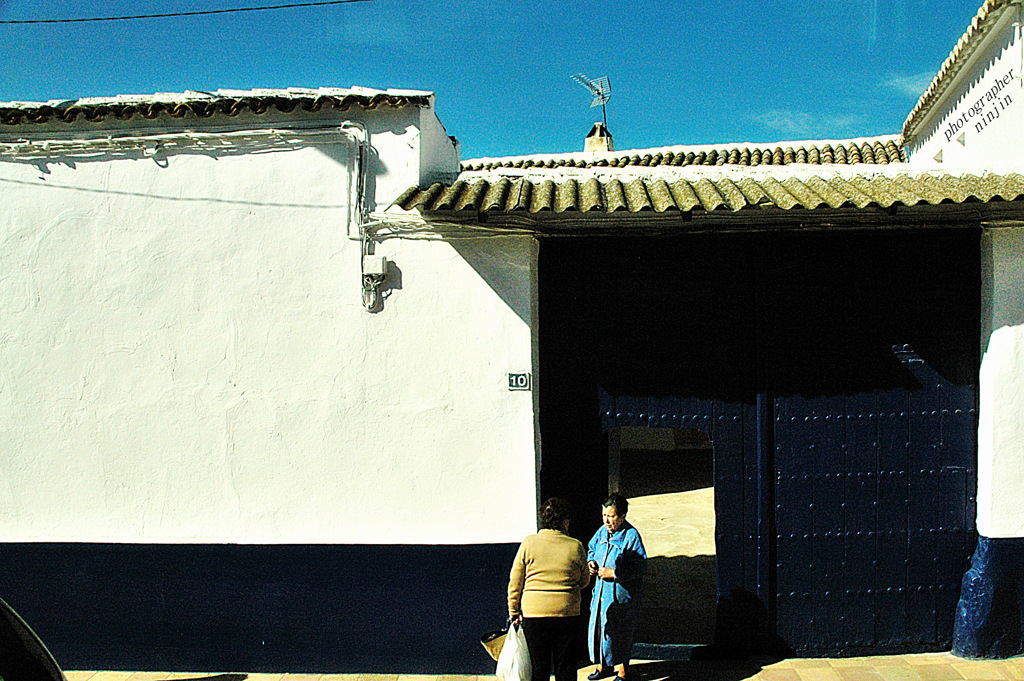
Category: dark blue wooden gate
[845,469]
[871,364]
[874,514]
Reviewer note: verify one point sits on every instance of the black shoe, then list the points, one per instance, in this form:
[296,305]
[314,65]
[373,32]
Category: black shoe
[602,673]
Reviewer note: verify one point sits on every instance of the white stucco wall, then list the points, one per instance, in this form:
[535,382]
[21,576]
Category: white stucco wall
[980,119]
[184,357]
[1001,386]
[439,155]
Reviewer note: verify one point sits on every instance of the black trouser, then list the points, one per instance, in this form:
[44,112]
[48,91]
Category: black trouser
[552,642]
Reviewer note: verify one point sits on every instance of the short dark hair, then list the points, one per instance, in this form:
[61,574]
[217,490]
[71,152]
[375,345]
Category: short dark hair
[553,513]
[620,503]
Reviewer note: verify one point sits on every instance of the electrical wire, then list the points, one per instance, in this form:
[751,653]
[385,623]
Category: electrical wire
[318,3]
[384,225]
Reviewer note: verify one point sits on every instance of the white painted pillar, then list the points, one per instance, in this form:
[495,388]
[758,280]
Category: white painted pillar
[991,608]
[1001,386]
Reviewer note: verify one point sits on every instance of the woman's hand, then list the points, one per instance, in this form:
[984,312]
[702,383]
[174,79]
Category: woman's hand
[516,620]
[593,567]
[606,573]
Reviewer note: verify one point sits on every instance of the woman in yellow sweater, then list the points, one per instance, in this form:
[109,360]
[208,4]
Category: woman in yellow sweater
[544,587]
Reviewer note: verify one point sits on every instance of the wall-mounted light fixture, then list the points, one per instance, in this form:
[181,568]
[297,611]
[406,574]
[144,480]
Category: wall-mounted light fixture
[375,271]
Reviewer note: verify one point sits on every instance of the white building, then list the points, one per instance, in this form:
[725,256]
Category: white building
[219,458]
[215,457]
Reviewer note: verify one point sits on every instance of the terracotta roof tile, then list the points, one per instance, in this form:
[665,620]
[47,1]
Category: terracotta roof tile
[519,196]
[637,199]
[686,198]
[567,196]
[450,195]
[852,193]
[206,105]
[830,196]
[778,193]
[590,196]
[882,150]
[496,195]
[803,194]
[708,195]
[472,197]
[661,194]
[616,197]
[542,197]
[753,193]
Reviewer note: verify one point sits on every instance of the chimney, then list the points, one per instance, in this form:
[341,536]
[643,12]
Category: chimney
[599,139]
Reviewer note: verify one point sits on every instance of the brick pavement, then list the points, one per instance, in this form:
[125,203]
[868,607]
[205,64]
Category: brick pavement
[921,667]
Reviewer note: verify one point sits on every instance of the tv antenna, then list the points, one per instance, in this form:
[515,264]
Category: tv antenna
[600,88]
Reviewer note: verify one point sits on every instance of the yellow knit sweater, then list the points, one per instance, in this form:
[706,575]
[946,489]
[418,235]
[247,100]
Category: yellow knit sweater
[546,577]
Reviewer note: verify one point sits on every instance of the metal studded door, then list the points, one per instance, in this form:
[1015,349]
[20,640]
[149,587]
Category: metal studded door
[872,367]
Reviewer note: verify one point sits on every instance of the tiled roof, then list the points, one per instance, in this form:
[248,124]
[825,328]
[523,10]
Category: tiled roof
[983,21]
[591,194]
[206,104]
[879,150]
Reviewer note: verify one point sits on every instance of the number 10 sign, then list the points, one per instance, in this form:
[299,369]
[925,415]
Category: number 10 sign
[519,381]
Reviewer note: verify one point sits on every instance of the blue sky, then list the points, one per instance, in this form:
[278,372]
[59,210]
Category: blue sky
[682,72]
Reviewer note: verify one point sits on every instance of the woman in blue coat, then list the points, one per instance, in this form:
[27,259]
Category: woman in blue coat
[616,555]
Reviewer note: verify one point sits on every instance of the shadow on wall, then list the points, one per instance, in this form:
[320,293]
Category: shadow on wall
[168,197]
[742,628]
[340,154]
[398,124]
[688,322]
[679,600]
[504,264]
[1003,306]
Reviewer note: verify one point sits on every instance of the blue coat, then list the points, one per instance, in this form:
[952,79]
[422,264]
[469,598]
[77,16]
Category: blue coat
[615,605]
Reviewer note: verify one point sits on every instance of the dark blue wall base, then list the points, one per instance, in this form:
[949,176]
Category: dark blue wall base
[281,608]
[990,615]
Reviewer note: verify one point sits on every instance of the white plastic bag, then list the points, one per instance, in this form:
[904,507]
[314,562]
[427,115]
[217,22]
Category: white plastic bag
[514,660]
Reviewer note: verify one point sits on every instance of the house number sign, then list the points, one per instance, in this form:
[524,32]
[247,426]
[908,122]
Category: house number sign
[519,381]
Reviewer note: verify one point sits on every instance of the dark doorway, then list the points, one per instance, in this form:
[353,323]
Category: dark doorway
[835,374]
